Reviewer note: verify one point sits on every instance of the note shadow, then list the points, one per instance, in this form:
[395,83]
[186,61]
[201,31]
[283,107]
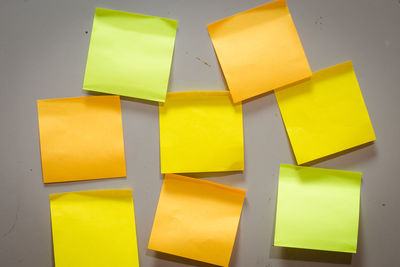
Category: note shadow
[368,151]
[310,255]
[212,174]
[161,257]
[74,183]
[127,98]
[259,96]
[233,178]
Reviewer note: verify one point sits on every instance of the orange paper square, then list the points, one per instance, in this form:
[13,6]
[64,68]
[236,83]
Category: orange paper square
[259,50]
[196,219]
[81,138]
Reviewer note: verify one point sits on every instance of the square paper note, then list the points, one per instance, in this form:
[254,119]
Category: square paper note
[81,138]
[196,219]
[201,132]
[130,54]
[317,209]
[259,50]
[325,114]
[94,228]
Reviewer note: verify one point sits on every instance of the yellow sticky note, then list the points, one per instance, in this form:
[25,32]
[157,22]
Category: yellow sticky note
[196,219]
[200,132]
[130,54]
[259,50]
[317,209]
[81,138]
[325,114]
[94,229]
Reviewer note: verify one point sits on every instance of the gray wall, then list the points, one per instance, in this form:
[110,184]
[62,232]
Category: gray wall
[43,49]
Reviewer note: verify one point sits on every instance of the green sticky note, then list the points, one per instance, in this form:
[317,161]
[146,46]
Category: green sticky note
[130,55]
[317,209]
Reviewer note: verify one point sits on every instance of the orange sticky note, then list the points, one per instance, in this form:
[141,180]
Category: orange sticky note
[196,219]
[81,138]
[259,50]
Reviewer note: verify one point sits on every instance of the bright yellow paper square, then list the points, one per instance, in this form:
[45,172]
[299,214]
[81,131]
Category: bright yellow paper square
[200,132]
[81,138]
[130,54]
[94,229]
[317,209]
[259,50]
[196,219]
[325,114]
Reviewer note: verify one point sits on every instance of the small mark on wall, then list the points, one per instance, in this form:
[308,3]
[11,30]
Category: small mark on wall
[204,62]
[319,21]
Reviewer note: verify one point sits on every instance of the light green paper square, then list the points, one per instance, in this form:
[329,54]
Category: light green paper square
[317,209]
[130,55]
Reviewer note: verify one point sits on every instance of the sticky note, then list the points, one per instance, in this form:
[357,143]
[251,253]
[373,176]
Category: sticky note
[94,228]
[200,132]
[196,219]
[259,50]
[81,138]
[317,209]
[130,54]
[325,114]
